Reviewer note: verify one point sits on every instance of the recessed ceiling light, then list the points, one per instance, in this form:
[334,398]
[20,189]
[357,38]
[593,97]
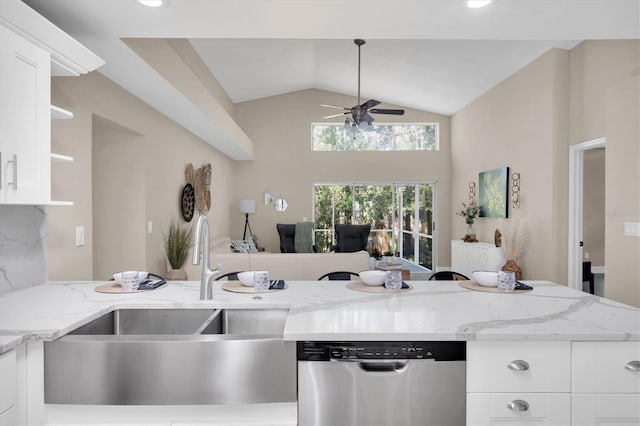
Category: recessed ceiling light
[153,3]
[474,4]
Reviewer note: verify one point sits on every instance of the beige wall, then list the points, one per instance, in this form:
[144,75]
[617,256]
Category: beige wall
[593,205]
[118,186]
[166,149]
[622,200]
[284,163]
[604,103]
[515,125]
[529,121]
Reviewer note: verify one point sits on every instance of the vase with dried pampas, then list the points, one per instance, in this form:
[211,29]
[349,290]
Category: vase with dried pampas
[515,233]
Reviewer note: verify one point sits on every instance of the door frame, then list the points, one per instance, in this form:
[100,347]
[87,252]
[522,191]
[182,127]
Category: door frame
[576,174]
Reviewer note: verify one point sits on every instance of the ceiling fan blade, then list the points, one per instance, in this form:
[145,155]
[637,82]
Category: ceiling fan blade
[387,111]
[369,104]
[336,115]
[334,106]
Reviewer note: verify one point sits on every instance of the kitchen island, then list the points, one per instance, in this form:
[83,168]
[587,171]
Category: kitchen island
[551,316]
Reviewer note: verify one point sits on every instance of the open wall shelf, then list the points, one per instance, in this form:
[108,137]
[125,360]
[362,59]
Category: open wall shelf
[58,113]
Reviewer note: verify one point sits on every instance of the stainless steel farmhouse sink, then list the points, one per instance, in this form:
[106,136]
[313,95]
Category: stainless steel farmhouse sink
[173,356]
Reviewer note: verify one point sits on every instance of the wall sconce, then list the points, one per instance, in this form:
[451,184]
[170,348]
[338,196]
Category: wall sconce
[246,207]
[472,190]
[280,204]
[515,190]
[268,199]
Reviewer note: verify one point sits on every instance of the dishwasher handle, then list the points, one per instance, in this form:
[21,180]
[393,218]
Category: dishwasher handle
[390,366]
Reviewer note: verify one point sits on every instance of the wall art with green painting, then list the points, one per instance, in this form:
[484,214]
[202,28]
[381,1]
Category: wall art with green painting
[493,193]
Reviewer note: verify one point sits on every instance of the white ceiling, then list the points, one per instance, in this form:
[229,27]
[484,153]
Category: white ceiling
[433,75]
[433,55]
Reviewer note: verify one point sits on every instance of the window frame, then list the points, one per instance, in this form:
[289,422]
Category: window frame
[419,123]
[396,230]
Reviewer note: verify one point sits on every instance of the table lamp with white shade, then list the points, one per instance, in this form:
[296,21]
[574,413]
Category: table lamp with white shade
[246,207]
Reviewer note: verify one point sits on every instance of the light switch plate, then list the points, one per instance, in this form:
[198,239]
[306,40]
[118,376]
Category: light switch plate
[632,229]
[79,236]
[149,227]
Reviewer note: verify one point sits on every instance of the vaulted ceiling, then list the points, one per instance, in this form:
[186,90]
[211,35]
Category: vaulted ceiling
[434,55]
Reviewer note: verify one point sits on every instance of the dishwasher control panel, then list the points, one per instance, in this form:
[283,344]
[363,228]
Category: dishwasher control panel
[345,351]
[380,351]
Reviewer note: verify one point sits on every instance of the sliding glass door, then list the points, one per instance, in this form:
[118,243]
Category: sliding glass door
[400,215]
[415,204]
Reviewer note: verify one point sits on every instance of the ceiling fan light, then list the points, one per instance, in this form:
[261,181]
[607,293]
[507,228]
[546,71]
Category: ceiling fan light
[475,4]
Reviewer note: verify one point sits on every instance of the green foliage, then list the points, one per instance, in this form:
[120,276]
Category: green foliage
[376,205]
[383,137]
[177,243]
[469,211]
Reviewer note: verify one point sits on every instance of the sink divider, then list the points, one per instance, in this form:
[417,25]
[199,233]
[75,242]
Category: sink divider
[208,321]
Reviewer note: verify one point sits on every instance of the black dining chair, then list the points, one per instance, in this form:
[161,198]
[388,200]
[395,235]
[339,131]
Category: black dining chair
[448,276]
[351,238]
[287,233]
[339,276]
[587,275]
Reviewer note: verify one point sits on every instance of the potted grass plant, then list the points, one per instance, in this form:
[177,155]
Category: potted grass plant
[177,242]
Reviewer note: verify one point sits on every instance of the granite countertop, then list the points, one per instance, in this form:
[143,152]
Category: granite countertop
[327,310]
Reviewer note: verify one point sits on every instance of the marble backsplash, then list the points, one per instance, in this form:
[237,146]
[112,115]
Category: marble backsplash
[23,247]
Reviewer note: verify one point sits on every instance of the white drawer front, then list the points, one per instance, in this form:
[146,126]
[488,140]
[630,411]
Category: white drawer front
[605,367]
[605,409]
[541,409]
[8,380]
[544,366]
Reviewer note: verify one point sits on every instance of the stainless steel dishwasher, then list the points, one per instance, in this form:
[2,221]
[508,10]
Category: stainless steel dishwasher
[381,383]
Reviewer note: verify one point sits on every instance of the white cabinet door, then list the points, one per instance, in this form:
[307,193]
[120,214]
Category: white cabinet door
[605,367]
[25,129]
[514,409]
[609,409]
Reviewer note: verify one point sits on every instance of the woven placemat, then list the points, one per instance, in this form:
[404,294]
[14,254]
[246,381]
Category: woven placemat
[114,287]
[472,285]
[237,287]
[377,289]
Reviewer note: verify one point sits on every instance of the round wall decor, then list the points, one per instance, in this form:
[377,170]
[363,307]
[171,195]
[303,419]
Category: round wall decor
[188,202]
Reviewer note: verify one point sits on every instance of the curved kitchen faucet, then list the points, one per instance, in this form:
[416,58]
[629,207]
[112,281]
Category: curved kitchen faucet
[208,275]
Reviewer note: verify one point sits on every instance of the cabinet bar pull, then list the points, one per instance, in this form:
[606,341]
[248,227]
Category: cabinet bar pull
[633,366]
[15,172]
[0,170]
[518,405]
[518,365]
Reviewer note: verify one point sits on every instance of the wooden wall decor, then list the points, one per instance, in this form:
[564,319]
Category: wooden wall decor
[196,194]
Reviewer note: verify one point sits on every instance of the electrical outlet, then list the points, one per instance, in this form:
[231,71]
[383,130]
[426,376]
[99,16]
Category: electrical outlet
[149,227]
[79,236]
[586,255]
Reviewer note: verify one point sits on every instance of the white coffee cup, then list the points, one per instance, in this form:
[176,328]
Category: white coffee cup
[261,280]
[506,281]
[129,280]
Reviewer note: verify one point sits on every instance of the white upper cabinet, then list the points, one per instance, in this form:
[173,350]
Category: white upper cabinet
[25,131]
[30,46]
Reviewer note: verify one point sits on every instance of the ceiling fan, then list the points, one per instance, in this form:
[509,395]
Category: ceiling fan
[360,113]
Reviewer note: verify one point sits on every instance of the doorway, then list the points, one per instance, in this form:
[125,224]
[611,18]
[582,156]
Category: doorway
[586,213]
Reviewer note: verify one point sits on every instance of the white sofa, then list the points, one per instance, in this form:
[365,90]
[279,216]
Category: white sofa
[286,266]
